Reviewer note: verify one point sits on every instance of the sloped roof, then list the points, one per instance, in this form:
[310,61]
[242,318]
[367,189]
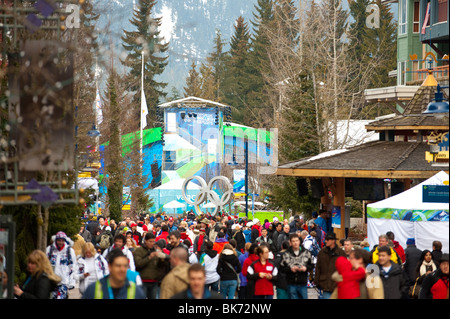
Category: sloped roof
[192,101]
[418,104]
[412,117]
[411,122]
[379,159]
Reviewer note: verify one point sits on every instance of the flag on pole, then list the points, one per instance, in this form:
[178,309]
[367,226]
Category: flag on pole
[144,110]
[98,108]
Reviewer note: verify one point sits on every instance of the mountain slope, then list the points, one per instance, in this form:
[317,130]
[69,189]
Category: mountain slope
[189,26]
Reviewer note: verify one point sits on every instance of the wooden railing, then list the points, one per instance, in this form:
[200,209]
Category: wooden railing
[438,72]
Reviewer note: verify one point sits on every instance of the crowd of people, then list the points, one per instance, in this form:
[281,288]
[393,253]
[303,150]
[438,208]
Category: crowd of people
[227,257]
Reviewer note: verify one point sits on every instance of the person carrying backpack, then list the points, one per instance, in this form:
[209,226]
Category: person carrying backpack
[105,239]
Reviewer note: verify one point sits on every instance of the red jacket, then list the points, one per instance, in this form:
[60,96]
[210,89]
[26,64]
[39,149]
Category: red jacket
[348,288]
[164,236]
[185,236]
[400,251]
[247,262]
[263,286]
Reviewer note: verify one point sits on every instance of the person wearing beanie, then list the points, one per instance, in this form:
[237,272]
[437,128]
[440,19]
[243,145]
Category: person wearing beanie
[412,258]
[64,262]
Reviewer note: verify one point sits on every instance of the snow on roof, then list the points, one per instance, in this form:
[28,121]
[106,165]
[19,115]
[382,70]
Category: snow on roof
[191,99]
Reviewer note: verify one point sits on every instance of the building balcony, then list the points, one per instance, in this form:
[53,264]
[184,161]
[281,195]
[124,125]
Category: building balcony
[436,21]
[440,73]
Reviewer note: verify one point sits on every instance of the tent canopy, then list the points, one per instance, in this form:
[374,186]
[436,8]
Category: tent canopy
[412,198]
[174,204]
[408,216]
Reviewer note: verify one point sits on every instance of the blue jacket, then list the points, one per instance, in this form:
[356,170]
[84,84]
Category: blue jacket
[243,278]
[90,291]
[247,235]
[322,223]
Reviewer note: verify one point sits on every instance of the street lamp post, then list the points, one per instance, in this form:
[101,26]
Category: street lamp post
[246,177]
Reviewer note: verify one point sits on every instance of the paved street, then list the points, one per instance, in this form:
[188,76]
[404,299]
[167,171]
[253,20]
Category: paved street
[75,293]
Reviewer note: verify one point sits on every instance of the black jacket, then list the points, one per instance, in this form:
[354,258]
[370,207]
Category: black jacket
[412,254]
[38,288]
[281,281]
[429,281]
[395,283]
[289,259]
[275,236]
[200,250]
[436,255]
[240,240]
[224,271]
[280,239]
[186,294]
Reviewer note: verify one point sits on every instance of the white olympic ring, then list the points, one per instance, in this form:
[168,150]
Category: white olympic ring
[207,194]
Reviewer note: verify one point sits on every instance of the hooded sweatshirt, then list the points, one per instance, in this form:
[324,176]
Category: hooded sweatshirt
[224,270]
[348,288]
[63,261]
[210,260]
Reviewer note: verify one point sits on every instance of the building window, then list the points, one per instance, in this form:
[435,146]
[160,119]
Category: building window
[416,17]
[169,160]
[171,122]
[415,68]
[401,76]
[442,10]
[403,17]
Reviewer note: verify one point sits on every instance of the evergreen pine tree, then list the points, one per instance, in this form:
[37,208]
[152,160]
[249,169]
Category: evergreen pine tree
[193,83]
[217,61]
[235,82]
[376,48]
[113,153]
[208,82]
[146,38]
[257,67]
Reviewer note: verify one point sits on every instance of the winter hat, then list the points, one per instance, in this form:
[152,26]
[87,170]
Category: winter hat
[410,241]
[444,257]
[330,235]
[61,235]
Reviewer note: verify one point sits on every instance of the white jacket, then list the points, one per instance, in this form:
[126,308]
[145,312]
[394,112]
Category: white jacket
[64,262]
[210,265]
[126,252]
[101,270]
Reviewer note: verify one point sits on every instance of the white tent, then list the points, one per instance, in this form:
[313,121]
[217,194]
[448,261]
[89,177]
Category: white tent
[177,184]
[174,204]
[408,216]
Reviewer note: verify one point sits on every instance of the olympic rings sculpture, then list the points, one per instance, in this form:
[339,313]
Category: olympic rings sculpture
[208,194]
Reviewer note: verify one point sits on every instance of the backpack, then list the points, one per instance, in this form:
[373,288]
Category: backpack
[315,248]
[104,241]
